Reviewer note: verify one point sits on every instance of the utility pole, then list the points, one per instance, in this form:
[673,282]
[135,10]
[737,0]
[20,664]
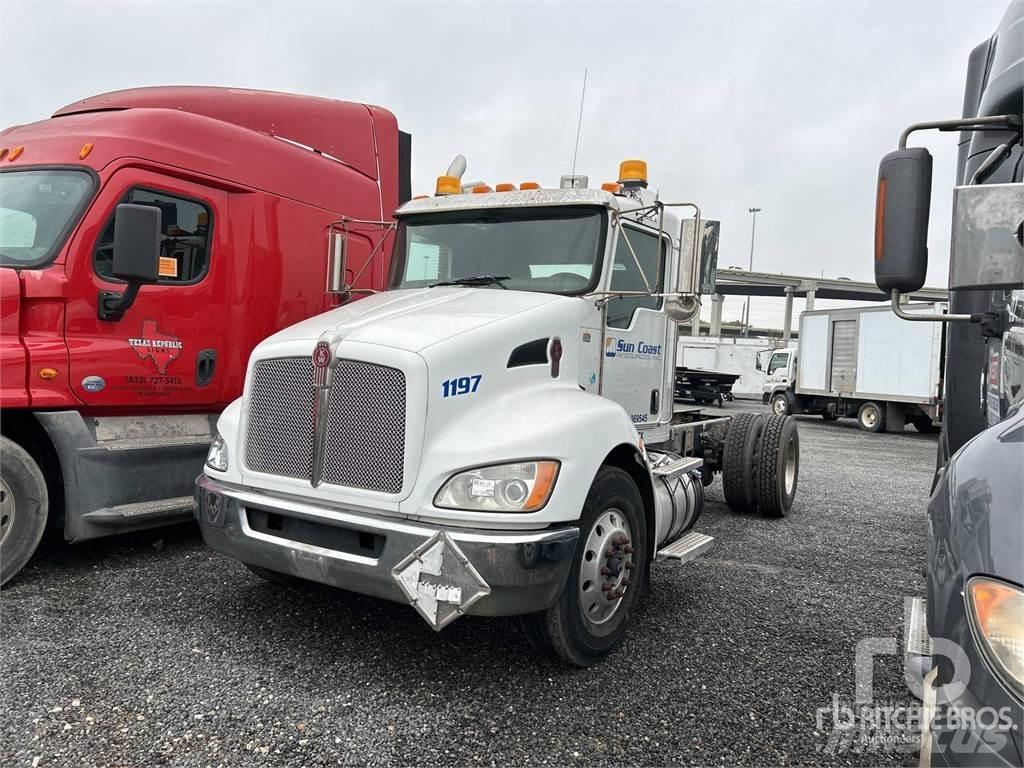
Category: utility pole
[746,309]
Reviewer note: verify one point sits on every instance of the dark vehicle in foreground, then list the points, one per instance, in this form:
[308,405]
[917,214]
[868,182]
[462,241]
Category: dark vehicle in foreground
[974,686]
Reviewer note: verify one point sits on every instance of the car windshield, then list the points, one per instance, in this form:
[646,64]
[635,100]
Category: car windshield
[547,250]
[38,208]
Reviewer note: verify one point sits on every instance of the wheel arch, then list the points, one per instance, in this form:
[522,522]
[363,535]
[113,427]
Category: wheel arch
[25,429]
[628,458]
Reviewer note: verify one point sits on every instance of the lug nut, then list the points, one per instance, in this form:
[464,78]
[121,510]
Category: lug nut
[628,550]
[610,552]
[606,587]
[629,565]
[605,571]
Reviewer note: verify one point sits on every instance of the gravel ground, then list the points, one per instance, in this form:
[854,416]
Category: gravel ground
[151,650]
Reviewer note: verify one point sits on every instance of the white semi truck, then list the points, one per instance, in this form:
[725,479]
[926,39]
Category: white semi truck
[495,434]
[863,363]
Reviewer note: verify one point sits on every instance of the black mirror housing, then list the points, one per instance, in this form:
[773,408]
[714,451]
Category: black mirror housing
[901,220]
[137,231]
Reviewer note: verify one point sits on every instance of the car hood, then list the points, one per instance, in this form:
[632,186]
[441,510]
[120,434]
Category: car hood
[414,319]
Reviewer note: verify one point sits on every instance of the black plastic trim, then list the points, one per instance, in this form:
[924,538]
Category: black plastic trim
[531,353]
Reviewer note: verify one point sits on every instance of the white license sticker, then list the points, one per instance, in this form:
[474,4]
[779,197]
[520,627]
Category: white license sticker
[481,487]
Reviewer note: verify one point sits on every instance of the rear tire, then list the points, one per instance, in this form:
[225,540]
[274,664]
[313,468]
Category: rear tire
[583,626]
[871,417]
[923,424]
[778,466]
[24,506]
[739,461]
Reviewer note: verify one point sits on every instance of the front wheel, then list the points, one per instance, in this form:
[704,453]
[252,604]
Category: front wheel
[24,505]
[597,602]
[780,404]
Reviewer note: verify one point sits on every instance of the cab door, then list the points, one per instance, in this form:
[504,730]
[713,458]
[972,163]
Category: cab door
[168,351]
[636,332]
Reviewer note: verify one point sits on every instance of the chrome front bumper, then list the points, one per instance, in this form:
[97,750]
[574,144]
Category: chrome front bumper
[522,571]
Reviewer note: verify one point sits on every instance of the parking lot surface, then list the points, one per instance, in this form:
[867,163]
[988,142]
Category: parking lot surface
[151,650]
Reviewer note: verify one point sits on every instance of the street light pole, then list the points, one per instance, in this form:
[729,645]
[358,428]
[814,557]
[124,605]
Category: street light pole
[746,309]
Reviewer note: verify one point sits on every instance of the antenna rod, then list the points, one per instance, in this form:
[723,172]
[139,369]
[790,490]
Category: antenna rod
[579,124]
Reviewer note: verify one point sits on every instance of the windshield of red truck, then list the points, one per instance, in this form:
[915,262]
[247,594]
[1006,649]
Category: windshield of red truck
[38,209]
[547,250]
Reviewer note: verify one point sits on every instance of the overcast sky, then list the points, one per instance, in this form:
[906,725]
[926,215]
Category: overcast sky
[783,106]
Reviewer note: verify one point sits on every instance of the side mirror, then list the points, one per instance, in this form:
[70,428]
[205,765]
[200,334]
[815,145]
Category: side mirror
[136,258]
[901,220]
[337,253]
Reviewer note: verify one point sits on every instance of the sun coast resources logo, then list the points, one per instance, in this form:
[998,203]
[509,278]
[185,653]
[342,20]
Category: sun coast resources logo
[161,348]
[633,350]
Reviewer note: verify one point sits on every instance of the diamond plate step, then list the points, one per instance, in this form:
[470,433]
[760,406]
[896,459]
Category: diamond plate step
[165,510]
[677,467]
[687,548]
[916,640]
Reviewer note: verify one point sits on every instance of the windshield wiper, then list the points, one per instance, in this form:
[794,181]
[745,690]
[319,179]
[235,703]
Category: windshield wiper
[475,280]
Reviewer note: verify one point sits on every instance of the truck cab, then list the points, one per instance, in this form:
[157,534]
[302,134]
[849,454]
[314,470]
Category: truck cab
[150,238]
[779,376]
[494,434]
[968,659]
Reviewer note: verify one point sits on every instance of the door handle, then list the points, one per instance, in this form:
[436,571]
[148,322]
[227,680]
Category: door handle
[206,361]
[655,404]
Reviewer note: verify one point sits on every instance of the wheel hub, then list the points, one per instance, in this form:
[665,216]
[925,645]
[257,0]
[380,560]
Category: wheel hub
[780,406]
[7,510]
[606,568]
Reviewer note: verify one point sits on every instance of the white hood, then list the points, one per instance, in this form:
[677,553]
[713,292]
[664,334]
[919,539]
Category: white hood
[414,319]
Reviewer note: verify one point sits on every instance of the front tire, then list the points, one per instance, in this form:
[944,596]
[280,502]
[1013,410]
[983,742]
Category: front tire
[780,404]
[871,417]
[24,506]
[585,624]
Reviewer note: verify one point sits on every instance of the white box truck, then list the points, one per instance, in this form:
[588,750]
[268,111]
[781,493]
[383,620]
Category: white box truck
[863,363]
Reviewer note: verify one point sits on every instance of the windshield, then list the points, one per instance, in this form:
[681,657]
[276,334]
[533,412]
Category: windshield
[548,250]
[38,208]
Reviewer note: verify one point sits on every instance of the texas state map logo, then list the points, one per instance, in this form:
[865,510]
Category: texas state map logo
[159,347]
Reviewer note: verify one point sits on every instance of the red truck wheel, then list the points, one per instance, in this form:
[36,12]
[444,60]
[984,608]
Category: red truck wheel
[24,505]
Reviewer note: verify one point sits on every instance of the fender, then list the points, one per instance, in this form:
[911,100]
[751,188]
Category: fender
[576,428]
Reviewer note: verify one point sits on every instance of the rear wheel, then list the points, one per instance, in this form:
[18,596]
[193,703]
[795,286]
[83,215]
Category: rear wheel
[778,466]
[780,404]
[24,505]
[590,617]
[871,417]
[739,461]
[923,423]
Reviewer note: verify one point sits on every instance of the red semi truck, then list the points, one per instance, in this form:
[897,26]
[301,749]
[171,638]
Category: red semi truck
[110,378]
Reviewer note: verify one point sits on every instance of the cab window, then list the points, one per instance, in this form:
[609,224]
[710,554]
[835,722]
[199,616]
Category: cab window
[185,237]
[779,360]
[626,275]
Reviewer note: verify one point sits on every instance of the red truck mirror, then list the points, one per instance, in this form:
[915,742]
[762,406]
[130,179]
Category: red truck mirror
[136,260]
[901,220]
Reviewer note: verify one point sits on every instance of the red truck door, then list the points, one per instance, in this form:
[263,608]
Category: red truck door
[167,353]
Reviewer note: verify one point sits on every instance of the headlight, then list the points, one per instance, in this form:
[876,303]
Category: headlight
[522,487]
[217,457]
[996,610]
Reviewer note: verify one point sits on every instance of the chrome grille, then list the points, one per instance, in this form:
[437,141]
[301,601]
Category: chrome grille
[280,433]
[365,445]
[365,439]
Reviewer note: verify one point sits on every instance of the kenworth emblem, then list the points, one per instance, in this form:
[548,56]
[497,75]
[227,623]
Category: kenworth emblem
[323,371]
